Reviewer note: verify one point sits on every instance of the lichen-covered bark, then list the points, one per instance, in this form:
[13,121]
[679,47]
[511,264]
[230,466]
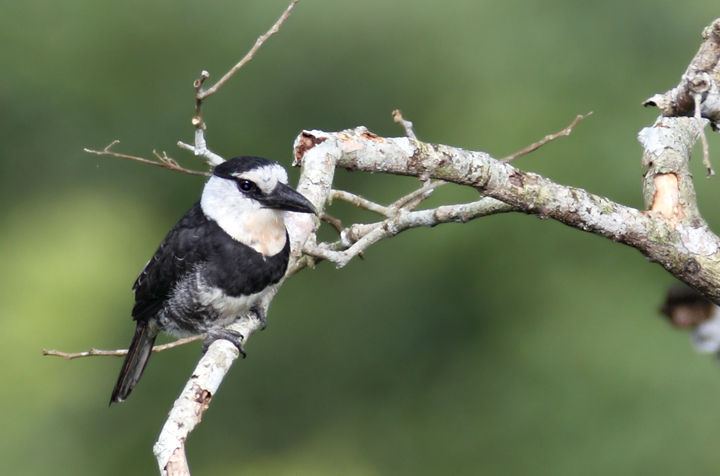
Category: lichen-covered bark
[681,241]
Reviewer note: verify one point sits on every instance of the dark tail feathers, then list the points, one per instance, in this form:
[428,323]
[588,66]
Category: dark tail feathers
[135,362]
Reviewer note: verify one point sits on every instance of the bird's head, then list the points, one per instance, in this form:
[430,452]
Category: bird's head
[247,196]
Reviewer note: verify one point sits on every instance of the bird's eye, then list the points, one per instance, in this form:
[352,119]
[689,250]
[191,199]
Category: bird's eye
[246,185]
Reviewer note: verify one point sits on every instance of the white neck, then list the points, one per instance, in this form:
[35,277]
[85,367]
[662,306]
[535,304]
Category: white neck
[242,218]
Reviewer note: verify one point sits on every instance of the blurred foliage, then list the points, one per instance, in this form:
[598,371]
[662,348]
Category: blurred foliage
[509,345]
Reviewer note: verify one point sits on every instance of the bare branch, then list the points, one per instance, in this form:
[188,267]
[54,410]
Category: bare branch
[682,242]
[413,199]
[195,398]
[409,201]
[164,160]
[201,95]
[697,98]
[701,77]
[359,202]
[398,118]
[360,237]
[332,221]
[197,120]
[546,139]
[121,352]
[671,232]
[201,150]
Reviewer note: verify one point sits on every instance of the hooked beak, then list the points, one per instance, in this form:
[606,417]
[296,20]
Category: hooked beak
[289,199]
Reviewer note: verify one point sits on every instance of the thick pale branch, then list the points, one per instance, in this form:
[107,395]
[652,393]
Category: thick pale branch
[195,398]
[685,247]
[189,407]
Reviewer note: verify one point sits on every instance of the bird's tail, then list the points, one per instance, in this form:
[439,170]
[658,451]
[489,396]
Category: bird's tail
[135,361]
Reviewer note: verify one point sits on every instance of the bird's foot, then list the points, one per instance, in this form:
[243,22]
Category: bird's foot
[225,334]
[260,313]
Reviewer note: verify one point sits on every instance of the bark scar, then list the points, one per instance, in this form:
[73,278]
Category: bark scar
[307,142]
[370,136]
[666,201]
[202,398]
[517,179]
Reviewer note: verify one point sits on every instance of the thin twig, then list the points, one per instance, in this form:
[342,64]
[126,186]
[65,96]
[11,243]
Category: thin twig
[201,95]
[546,139]
[398,118]
[697,97]
[332,221]
[359,202]
[422,193]
[361,236]
[197,84]
[120,352]
[164,160]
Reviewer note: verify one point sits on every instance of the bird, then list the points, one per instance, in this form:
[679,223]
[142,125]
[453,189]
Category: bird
[216,263]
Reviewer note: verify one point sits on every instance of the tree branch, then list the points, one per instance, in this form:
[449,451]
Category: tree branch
[546,139]
[701,77]
[201,150]
[670,232]
[163,160]
[258,43]
[195,398]
[121,352]
[681,241]
[359,237]
[407,125]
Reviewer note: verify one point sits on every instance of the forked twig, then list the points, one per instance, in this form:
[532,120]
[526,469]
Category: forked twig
[360,202]
[546,139]
[164,160]
[413,199]
[202,94]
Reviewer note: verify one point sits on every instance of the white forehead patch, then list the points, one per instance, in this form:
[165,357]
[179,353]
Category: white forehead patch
[266,178]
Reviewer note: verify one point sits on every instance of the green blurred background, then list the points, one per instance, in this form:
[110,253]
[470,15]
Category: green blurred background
[508,345]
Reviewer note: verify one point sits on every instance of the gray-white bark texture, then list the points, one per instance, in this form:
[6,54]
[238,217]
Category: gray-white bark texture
[670,231]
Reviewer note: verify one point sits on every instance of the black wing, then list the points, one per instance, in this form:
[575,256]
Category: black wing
[228,264]
[176,256]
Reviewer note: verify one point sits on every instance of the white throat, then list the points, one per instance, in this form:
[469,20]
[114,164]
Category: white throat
[262,229]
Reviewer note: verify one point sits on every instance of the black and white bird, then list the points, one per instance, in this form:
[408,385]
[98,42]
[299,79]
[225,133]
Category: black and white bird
[217,263]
